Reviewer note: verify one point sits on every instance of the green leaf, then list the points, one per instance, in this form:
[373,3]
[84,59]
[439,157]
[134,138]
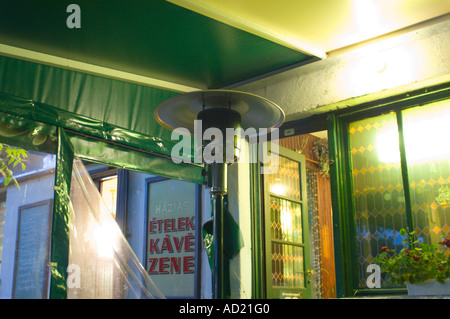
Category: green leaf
[23,153]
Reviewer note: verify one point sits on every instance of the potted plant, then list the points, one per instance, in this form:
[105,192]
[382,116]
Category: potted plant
[425,269]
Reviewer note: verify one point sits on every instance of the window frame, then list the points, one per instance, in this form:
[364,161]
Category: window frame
[341,179]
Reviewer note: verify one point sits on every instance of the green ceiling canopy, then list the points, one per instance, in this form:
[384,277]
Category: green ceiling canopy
[153,38]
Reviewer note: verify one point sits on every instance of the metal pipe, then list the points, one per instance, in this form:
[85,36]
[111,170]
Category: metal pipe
[218,189]
[218,247]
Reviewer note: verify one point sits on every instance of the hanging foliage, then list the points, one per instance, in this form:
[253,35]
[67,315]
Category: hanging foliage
[320,154]
[11,157]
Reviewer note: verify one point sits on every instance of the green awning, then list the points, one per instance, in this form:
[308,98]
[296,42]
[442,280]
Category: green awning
[107,120]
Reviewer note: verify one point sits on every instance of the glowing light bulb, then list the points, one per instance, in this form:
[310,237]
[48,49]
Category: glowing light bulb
[278,189]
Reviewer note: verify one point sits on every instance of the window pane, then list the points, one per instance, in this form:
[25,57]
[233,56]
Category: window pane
[286,220]
[426,132]
[287,266]
[108,190]
[378,193]
[286,181]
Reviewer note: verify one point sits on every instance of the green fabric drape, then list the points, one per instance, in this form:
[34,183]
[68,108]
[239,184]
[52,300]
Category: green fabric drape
[59,252]
[115,155]
[37,111]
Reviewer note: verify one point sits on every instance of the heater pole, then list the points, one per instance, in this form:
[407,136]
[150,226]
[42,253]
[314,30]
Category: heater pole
[218,189]
[218,246]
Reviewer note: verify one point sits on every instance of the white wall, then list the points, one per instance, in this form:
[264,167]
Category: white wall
[239,206]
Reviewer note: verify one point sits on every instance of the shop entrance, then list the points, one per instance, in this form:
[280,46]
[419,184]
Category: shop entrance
[310,152]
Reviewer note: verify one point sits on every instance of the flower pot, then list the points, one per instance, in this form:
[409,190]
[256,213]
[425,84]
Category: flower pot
[429,288]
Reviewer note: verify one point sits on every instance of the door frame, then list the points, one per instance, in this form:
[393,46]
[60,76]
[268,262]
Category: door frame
[286,292]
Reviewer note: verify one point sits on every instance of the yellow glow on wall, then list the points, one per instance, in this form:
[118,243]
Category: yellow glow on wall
[376,69]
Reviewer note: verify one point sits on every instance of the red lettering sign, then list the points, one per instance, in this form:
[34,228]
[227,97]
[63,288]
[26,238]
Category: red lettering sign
[171,265]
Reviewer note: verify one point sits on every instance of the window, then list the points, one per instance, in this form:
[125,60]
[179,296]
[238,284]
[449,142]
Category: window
[400,173]
[133,234]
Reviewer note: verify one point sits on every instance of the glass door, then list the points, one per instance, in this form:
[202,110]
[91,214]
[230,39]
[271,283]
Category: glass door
[286,227]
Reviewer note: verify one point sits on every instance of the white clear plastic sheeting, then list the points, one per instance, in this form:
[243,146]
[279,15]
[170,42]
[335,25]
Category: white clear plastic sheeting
[102,265]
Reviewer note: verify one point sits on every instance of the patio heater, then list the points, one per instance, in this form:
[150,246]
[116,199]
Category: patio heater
[218,110]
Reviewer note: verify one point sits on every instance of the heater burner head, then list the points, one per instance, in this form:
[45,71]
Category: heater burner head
[255,111]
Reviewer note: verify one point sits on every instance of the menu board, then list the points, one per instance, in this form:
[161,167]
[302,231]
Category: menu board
[32,251]
[171,240]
